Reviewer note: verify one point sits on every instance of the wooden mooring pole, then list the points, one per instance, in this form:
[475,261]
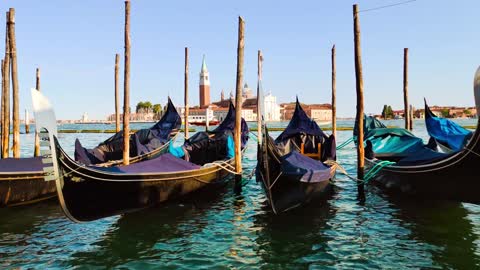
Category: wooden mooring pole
[6,96]
[360,110]
[238,101]
[126,89]
[334,94]
[117,100]
[27,121]
[16,98]
[259,98]
[2,119]
[36,150]
[406,113]
[412,109]
[185,87]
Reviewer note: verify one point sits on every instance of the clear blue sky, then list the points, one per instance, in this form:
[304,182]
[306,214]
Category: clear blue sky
[74,43]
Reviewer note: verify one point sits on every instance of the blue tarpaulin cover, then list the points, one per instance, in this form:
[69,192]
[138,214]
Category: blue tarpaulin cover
[163,163]
[445,131]
[307,169]
[399,144]
[228,125]
[33,164]
[141,142]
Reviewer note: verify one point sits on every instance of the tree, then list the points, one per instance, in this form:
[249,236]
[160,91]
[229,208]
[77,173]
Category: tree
[144,105]
[147,105]
[139,106]
[384,111]
[390,112]
[467,112]
[445,113]
[157,108]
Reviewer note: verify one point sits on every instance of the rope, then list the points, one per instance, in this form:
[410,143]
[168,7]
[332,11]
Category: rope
[376,169]
[369,176]
[387,6]
[342,170]
[471,151]
[345,143]
[221,165]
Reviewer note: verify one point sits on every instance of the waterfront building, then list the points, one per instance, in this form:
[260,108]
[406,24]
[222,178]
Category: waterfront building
[318,112]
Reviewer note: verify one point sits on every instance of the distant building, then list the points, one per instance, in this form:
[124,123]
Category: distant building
[318,112]
[247,92]
[84,117]
[271,108]
[204,86]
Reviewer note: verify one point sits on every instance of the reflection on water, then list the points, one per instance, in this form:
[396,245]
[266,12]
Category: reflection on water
[223,229]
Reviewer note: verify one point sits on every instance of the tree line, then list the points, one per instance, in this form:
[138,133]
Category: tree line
[147,106]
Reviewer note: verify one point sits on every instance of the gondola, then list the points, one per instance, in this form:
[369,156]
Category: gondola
[22,182]
[447,134]
[398,162]
[292,169]
[144,143]
[87,193]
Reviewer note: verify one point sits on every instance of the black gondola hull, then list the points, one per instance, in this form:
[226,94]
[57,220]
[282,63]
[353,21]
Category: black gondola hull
[88,194]
[295,194]
[453,178]
[21,189]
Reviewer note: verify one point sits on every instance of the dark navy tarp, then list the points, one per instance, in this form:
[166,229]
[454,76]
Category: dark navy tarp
[33,164]
[228,125]
[141,142]
[445,131]
[205,147]
[306,169]
[162,163]
[300,123]
[302,129]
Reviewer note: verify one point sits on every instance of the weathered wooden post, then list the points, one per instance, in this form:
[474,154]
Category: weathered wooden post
[207,120]
[2,119]
[117,100]
[334,94]
[259,98]
[126,88]
[5,109]
[36,151]
[185,86]
[406,113]
[238,101]
[37,79]
[412,110]
[16,101]
[27,121]
[360,111]
[6,95]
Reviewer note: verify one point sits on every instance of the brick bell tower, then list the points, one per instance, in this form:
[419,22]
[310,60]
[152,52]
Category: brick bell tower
[204,86]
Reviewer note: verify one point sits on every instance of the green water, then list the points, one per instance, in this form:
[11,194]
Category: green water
[225,230]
